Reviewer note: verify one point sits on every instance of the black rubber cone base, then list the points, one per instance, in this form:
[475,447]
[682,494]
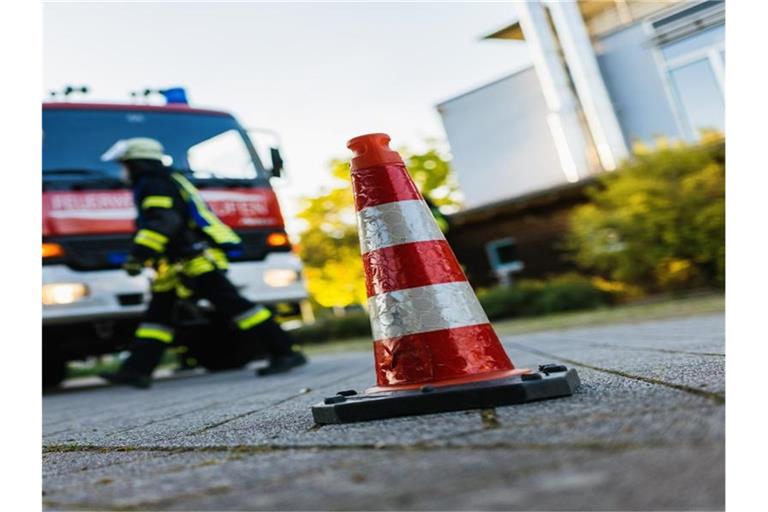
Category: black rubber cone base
[552,381]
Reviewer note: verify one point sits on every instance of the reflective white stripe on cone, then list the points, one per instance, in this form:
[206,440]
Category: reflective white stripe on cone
[396,223]
[424,309]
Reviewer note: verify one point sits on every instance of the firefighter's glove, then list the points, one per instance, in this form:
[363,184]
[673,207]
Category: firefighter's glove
[139,258]
[138,261]
[133,266]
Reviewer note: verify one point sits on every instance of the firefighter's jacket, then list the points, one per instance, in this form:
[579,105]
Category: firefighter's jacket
[173,221]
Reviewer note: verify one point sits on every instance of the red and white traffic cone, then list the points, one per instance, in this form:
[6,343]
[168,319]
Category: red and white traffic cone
[434,347]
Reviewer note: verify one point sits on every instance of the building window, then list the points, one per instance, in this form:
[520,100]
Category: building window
[502,254]
[699,96]
[692,47]
[696,69]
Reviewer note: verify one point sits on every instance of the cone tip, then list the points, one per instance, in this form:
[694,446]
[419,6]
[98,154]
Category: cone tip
[372,149]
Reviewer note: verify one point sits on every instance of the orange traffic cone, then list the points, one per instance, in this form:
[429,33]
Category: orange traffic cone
[434,347]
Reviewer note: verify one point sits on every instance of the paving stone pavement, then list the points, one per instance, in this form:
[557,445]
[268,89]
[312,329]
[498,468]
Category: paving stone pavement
[645,431]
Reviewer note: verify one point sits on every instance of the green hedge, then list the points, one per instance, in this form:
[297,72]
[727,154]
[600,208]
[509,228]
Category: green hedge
[658,222]
[530,297]
[527,298]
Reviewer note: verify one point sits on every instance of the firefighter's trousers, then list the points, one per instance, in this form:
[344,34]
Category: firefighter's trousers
[204,277]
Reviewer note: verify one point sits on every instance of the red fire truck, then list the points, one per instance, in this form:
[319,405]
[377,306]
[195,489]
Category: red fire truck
[91,306]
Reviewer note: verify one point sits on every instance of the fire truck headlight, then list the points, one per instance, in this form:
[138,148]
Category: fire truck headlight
[279,277]
[63,293]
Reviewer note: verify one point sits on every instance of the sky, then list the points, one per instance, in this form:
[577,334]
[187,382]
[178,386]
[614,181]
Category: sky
[316,73]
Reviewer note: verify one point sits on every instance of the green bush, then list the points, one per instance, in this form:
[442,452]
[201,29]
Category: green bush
[568,293]
[658,222]
[533,297]
[508,301]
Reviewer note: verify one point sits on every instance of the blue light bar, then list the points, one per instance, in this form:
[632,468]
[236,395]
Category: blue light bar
[175,95]
[117,257]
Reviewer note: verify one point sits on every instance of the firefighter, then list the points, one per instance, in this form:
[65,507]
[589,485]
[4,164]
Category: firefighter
[184,241]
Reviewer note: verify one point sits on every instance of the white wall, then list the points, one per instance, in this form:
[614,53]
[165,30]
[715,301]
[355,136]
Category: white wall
[501,143]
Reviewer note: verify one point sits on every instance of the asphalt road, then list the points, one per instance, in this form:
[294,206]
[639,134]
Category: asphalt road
[646,430]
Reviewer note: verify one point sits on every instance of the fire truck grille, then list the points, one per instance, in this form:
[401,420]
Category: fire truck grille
[96,252]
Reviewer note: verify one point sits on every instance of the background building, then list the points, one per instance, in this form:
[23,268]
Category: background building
[605,75]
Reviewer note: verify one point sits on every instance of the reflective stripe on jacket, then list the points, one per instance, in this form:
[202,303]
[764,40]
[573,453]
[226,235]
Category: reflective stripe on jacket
[219,233]
[173,219]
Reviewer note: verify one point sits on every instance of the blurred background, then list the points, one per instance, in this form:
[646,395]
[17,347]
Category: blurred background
[574,153]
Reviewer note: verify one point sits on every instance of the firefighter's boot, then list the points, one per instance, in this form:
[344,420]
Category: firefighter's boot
[122,378]
[137,370]
[280,345]
[260,325]
[282,363]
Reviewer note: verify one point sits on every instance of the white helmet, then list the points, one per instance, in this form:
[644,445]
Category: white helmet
[133,149]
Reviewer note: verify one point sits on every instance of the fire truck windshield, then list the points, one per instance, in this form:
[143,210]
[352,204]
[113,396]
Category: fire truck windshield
[209,148]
